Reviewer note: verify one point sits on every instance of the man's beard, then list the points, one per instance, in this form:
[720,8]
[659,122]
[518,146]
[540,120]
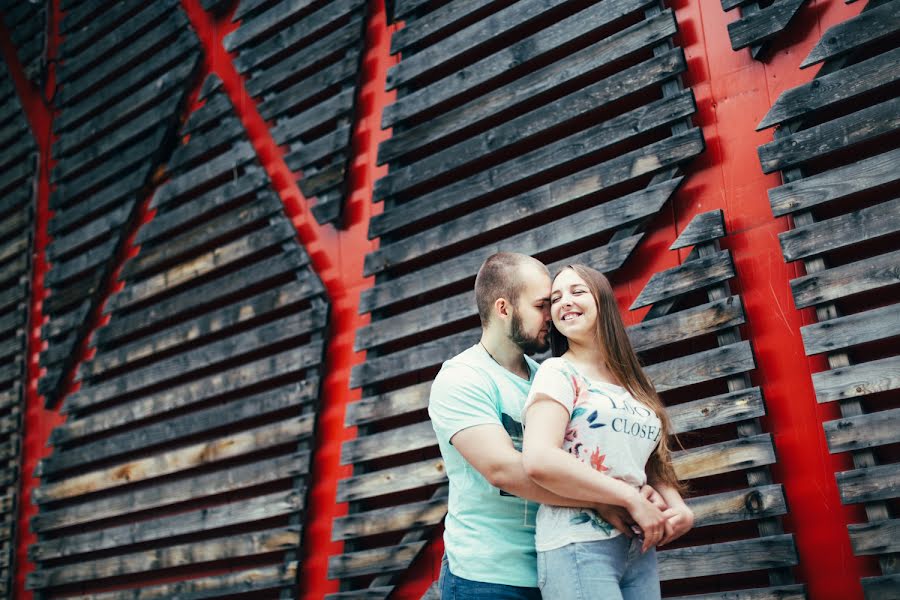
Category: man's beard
[529,344]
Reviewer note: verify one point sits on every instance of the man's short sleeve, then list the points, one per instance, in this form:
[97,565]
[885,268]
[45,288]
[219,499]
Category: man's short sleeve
[461,398]
[554,380]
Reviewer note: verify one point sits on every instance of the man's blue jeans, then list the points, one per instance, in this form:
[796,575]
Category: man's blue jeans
[457,588]
[612,569]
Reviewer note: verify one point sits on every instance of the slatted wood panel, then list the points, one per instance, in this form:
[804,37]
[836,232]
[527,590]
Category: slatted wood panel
[124,74]
[302,61]
[27,26]
[551,128]
[705,381]
[839,173]
[18,172]
[187,446]
[758,22]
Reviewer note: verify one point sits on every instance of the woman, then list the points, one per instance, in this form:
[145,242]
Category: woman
[596,430]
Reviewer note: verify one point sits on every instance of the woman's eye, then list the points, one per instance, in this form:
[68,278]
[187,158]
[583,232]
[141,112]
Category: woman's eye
[554,300]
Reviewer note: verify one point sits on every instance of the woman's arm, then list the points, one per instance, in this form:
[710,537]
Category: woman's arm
[679,516]
[551,467]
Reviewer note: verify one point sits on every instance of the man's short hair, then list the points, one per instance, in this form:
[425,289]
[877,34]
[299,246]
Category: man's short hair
[499,277]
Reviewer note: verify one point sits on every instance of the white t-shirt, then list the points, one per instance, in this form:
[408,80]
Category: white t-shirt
[609,430]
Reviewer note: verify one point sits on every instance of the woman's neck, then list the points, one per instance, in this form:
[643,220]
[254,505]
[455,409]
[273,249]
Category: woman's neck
[590,360]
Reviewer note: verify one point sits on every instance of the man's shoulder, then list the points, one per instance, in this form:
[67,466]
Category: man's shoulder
[463,369]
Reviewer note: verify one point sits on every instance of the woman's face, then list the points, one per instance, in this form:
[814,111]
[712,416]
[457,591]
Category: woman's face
[573,308]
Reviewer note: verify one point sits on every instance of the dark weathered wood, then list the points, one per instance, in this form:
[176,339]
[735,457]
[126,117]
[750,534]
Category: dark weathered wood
[780,592]
[196,522]
[857,380]
[231,381]
[517,55]
[175,428]
[174,461]
[391,519]
[760,26]
[503,137]
[90,234]
[844,132]
[847,83]
[883,587]
[392,480]
[881,537]
[379,560]
[227,163]
[294,127]
[853,278]
[704,227]
[79,33]
[170,493]
[389,404]
[204,143]
[702,366]
[388,443]
[731,407]
[841,231]
[300,92]
[676,327]
[690,276]
[869,484]
[739,505]
[835,184]
[851,330]
[724,457]
[863,431]
[231,547]
[728,557]
[866,28]
[442,17]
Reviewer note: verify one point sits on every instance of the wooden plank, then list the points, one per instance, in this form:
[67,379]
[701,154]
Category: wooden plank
[883,587]
[294,360]
[227,548]
[203,207]
[604,175]
[214,418]
[392,480]
[170,493]
[724,457]
[869,484]
[292,128]
[555,234]
[388,404]
[204,265]
[840,282]
[857,380]
[264,25]
[211,293]
[503,137]
[866,28]
[702,366]
[186,183]
[682,325]
[835,184]
[302,156]
[99,258]
[881,537]
[388,443]
[90,234]
[841,231]
[123,191]
[731,407]
[863,431]
[515,56]
[195,522]
[175,461]
[286,100]
[760,26]
[391,519]
[378,560]
[851,330]
[257,579]
[203,144]
[739,505]
[859,127]
[443,17]
[79,33]
[739,556]
[688,277]
[850,82]
[206,325]
[704,227]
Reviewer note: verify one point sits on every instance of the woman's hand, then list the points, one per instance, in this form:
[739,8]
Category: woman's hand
[616,516]
[679,520]
[649,518]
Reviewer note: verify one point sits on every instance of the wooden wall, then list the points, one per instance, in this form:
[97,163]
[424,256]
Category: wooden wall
[264,221]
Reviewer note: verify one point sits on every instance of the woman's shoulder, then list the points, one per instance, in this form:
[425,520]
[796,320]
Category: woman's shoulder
[556,363]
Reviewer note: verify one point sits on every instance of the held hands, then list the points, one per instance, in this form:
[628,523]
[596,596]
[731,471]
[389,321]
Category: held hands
[649,518]
[619,517]
[679,520]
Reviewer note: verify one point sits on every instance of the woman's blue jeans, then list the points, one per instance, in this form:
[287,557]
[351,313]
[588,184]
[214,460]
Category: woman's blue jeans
[612,569]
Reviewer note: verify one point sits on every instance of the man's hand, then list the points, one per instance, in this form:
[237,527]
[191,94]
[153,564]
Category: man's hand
[616,516]
[679,521]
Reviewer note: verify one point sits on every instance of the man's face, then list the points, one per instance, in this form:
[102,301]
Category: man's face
[530,323]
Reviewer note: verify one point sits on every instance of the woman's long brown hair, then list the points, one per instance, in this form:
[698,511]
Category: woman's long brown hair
[622,362]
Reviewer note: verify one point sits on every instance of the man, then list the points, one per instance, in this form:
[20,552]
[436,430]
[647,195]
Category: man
[475,408]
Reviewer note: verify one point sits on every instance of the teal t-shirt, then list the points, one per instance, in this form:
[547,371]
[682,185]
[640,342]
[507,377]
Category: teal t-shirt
[488,533]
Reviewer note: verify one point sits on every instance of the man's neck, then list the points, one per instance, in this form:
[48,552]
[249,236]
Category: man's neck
[507,354]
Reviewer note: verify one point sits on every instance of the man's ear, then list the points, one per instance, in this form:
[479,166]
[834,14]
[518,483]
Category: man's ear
[502,307]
